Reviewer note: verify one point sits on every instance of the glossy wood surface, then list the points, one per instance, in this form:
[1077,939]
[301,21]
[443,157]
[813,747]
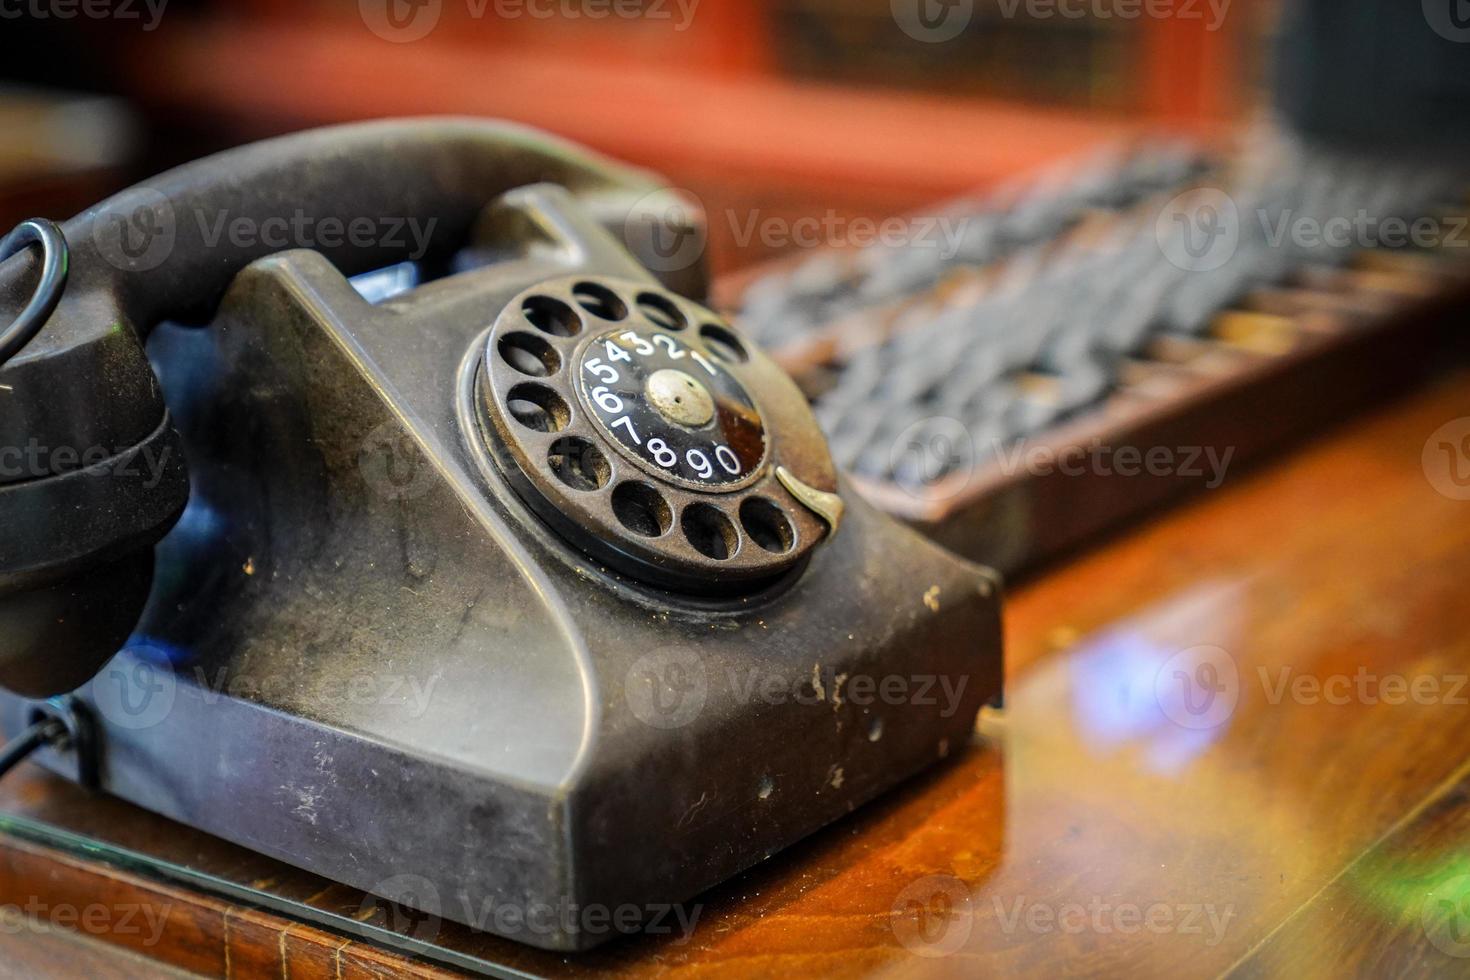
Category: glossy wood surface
[1115,821]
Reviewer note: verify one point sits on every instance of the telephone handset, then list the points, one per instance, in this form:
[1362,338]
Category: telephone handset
[547,490]
[73,550]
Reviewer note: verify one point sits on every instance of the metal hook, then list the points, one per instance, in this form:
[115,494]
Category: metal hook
[55,261]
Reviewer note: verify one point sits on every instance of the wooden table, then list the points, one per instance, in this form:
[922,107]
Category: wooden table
[1311,820]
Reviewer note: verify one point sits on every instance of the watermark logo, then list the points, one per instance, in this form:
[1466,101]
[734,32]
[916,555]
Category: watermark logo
[1446,459]
[667,688]
[1106,918]
[1362,230]
[401,21]
[149,12]
[1199,230]
[934,916]
[933,459]
[1446,916]
[404,21]
[943,234]
[1363,687]
[393,465]
[1212,12]
[136,230]
[932,21]
[1198,688]
[145,921]
[1450,19]
[139,230]
[665,229]
[148,465]
[415,908]
[1207,464]
[402,695]
[134,694]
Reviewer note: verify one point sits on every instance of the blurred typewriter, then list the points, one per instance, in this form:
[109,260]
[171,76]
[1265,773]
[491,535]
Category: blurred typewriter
[1093,341]
[1046,361]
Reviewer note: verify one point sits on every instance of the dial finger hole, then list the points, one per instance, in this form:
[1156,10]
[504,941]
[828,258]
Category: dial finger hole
[642,509]
[551,316]
[600,301]
[767,525]
[710,532]
[579,464]
[538,408]
[529,354]
[661,311]
[723,344]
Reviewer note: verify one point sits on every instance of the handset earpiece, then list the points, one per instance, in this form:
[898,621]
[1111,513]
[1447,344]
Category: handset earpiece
[92,473]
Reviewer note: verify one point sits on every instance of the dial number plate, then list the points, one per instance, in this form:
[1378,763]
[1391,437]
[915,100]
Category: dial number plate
[683,443]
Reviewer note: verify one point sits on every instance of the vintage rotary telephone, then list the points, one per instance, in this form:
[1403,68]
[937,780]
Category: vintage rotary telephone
[532,585]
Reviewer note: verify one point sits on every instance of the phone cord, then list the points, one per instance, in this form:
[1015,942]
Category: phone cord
[55,260]
[47,731]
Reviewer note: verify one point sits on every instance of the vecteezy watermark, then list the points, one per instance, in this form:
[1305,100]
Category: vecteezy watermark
[393,465]
[408,234]
[407,696]
[823,685]
[1202,229]
[668,688]
[937,21]
[140,229]
[404,21]
[1199,230]
[1450,19]
[36,460]
[1097,916]
[136,230]
[134,693]
[95,919]
[1445,916]
[934,916]
[1363,230]
[1201,687]
[1446,459]
[149,13]
[1198,688]
[935,458]
[665,228]
[831,229]
[932,21]
[139,689]
[418,910]
[1365,687]
[1212,12]
[1207,463]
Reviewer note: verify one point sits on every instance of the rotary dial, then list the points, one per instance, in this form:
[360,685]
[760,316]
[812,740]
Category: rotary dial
[672,409]
[648,433]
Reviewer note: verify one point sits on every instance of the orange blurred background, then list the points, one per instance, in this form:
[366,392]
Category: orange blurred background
[782,108]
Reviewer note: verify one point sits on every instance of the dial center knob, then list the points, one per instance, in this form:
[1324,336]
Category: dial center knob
[680,398]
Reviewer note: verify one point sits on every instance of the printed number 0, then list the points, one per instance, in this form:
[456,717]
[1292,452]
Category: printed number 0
[728,460]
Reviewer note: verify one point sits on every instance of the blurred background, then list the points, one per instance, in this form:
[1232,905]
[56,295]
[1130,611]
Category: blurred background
[1107,209]
[783,108]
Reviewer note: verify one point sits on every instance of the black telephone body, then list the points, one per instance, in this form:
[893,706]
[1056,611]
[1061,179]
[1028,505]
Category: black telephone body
[531,585]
